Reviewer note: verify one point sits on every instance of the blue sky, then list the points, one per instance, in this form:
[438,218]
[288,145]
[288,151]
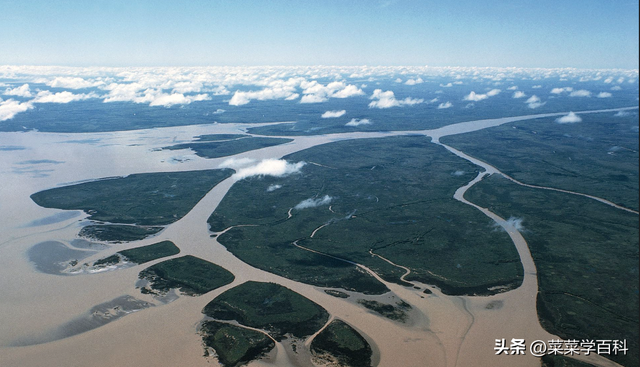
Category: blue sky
[522,33]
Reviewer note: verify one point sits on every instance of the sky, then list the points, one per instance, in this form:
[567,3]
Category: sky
[601,34]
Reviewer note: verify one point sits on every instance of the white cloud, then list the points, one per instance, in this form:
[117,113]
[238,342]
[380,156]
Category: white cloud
[493,92]
[414,81]
[561,90]
[448,85]
[580,93]
[534,102]
[616,87]
[536,87]
[312,203]
[168,100]
[604,95]
[357,122]
[241,98]
[513,87]
[269,167]
[445,105]
[11,107]
[333,114]
[571,118]
[219,111]
[398,80]
[433,100]
[608,80]
[313,98]
[621,114]
[46,96]
[387,99]
[314,92]
[21,91]
[519,94]
[475,97]
[533,99]
[72,83]
[272,188]
[236,163]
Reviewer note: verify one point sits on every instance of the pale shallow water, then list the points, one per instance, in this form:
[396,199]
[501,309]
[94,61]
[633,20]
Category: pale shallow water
[443,330]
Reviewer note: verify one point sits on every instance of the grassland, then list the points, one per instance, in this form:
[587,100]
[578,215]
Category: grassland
[208,148]
[270,307]
[343,344]
[598,156]
[189,274]
[143,254]
[234,345]
[392,196]
[586,255]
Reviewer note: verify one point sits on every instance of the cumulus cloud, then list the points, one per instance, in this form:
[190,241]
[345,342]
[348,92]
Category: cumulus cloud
[608,80]
[519,94]
[622,114]
[46,96]
[313,98]
[515,223]
[269,167]
[445,105]
[236,163]
[571,118]
[617,87]
[580,93]
[534,102]
[513,87]
[314,92]
[72,83]
[448,85]
[493,92]
[561,90]
[241,98]
[168,100]
[273,188]
[21,91]
[387,99]
[475,97]
[312,203]
[414,81]
[357,122]
[10,107]
[604,95]
[333,114]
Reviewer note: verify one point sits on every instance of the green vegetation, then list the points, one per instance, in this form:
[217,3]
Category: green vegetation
[270,307]
[117,233]
[598,156]
[586,255]
[343,344]
[219,137]
[223,148]
[392,196]
[192,275]
[144,199]
[335,293]
[234,345]
[396,313]
[141,255]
